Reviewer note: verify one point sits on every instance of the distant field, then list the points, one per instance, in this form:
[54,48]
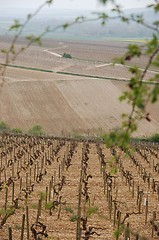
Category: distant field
[65,104]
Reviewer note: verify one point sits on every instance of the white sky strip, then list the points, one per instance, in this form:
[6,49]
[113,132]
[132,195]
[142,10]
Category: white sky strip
[72,4]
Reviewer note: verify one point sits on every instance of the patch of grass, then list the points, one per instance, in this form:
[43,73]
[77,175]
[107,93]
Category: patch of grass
[17,130]
[152,138]
[48,205]
[91,210]
[73,216]
[69,209]
[7,211]
[155,137]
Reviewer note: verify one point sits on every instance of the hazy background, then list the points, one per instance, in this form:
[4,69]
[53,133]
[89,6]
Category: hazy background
[63,11]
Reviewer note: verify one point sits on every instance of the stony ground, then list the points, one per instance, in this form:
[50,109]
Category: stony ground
[50,170]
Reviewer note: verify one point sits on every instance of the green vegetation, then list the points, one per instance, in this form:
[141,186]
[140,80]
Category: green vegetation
[17,130]
[36,130]
[73,216]
[67,55]
[92,210]
[48,205]
[4,127]
[112,139]
[155,137]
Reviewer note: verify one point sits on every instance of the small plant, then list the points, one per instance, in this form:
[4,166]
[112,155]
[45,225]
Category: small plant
[48,205]
[17,130]
[73,216]
[36,130]
[91,210]
[4,127]
[118,232]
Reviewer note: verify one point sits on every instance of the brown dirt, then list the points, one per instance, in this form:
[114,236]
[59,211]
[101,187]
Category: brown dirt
[67,104]
[62,227]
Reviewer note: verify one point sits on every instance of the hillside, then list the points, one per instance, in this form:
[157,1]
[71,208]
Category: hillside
[66,104]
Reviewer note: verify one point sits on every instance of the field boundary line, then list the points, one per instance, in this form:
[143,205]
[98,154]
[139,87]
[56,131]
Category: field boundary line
[74,74]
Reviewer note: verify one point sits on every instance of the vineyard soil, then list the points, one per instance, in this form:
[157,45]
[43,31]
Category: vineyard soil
[50,170]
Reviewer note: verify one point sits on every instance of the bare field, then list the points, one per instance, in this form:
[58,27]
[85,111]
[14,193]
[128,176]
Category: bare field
[88,58]
[65,104]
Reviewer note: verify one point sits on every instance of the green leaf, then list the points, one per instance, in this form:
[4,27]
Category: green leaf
[73,218]
[38,41]
[79,19]
[69,209]
[66,25]
[15,26]
[133,50]
[125,19]
[119,60]
[3,51]
[103,1]
[140,19]
[156,8]
[49,2]
[133,70]
[151,5]
[12,50]
[152,45]
[30,37]
[154,94]
[156,61]
[156,23]
[123,97]
[133,127]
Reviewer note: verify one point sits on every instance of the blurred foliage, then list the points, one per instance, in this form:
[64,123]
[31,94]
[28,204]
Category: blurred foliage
[36,130]
[17,130]
[4,127]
